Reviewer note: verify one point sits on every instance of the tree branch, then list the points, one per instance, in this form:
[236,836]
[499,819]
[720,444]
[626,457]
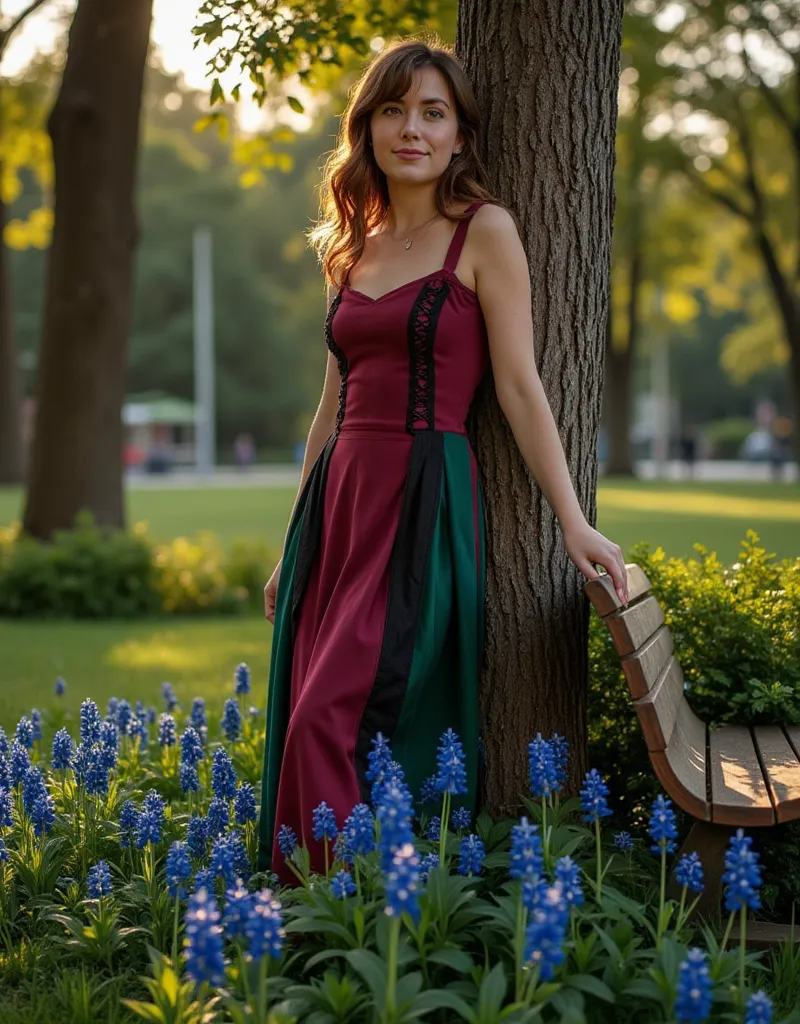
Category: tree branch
[720,197]
[7,33]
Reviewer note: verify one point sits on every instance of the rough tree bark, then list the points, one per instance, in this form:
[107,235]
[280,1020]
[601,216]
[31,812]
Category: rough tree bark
[76,459]
[11,459]
[545,73]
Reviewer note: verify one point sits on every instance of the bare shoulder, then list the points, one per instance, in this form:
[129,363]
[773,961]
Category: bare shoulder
[493,224]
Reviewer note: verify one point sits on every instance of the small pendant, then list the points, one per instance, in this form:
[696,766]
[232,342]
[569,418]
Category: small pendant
[408,243]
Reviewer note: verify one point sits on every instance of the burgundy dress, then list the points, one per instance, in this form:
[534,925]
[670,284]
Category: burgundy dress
[379,611]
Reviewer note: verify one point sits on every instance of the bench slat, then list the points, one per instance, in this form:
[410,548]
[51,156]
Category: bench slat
[643,667]
[782,770]
[632,626]
[739,794]
[658,710]
[681,768]
[603,596]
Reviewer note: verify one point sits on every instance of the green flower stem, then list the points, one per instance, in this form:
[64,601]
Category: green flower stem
[327,858]
[262,990]
[743,926]
[248,995]
[680,909]
[599,854]
[443,830]
[357,873]
[727,934]
[531,982]
[662,893]
[391,971]
[545,831]
[519,947]
[175,933]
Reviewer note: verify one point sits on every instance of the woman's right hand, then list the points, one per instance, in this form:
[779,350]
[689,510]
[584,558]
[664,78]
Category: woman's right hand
[270,592]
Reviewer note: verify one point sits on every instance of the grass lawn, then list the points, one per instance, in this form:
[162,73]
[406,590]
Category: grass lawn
[128,659]
[673,515]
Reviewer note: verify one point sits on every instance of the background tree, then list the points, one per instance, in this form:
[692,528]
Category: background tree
[76,458]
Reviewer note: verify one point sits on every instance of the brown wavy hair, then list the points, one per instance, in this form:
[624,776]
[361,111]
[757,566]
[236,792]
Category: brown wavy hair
[354,193]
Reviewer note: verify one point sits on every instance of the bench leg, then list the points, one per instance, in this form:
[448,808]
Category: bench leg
[709,842]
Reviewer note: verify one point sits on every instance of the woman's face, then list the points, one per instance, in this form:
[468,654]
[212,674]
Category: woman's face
[415,136]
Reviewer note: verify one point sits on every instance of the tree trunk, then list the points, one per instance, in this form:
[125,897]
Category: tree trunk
[76,460]
[545,73]
[11,455]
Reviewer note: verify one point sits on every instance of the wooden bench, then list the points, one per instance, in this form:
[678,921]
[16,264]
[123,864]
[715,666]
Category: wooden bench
[728,777]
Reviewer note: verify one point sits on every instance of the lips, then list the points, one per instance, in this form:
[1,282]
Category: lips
[409,152]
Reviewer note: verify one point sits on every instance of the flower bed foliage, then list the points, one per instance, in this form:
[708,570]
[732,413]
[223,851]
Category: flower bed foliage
[127,892]
[90,572]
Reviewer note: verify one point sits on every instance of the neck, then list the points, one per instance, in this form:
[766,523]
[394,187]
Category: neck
[410,207]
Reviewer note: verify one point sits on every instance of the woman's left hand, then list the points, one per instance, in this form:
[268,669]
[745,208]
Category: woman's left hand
[585,546]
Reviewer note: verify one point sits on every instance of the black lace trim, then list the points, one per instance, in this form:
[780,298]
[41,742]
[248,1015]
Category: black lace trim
[340,357]
[421,337]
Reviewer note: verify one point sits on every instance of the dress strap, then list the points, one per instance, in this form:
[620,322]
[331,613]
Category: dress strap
[460,236]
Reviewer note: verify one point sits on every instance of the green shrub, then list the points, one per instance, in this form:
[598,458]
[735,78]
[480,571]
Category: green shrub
[726,437]
[93,572]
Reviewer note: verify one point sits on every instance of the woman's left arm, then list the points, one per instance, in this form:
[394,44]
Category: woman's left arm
[504,290]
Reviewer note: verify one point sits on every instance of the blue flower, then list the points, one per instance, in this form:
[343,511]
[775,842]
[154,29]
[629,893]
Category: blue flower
[542,768]
[34,786]
[124,717]
[434,830]
[43,814]
[358,833]
[394,820]
[241,859]
[689,872]
[623,841]
[148,829]
[241,680]
[244,805]
[429,863]
[62,751]
[461,819]
[342,885]
[568,877]
[191,747]
[170,700]
[593,797]
[203,943]
[742,878]
[167,731]
[693,998]
[24,732]
[526,851]
[3,743]
[287,841]
[3,851]
[59,687]
[561,755]
[759,1009]
[36,724]
[546,932]
[6,809]
[90,722]
[662,828]
[472,854]
[218,817]
[324,822]
[393,777]
[429,794]
[178,869]
[534,891]
[264,926]
[96,771]
[221,862]
[111,707]
[223,776]
[98,880]
[402,882]
[204,879]
[19,762]
[109,742]
[378,759]
[197,836]
[237,910]
[198,716]
[128,820]
[152,715]
[451,776]
[190,782]
[138,731]
[232,720]
[154,804]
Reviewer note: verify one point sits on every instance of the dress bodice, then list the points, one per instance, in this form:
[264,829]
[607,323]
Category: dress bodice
[411,359]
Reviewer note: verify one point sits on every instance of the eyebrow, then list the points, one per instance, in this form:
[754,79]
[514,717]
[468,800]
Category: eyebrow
[424,103]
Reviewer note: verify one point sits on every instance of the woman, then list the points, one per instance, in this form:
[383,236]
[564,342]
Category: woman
[379,611]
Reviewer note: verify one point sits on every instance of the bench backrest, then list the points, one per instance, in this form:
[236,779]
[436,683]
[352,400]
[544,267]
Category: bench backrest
[677,740]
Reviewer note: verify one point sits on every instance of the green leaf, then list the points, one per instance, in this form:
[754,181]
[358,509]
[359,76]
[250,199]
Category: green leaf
[217,95]
[442,999]
[145,1010]
[460,961]
[295,104]
[593,986]
[407,987]
[492,992]
[372,969]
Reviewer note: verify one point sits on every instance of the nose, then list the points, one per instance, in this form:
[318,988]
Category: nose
[410,129]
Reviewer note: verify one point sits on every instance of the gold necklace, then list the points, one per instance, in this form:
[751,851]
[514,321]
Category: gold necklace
[410,241]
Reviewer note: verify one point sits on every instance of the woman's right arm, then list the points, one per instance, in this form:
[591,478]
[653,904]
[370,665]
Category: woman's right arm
[322,426]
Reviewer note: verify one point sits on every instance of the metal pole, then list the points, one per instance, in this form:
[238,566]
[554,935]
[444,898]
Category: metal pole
[205,418]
